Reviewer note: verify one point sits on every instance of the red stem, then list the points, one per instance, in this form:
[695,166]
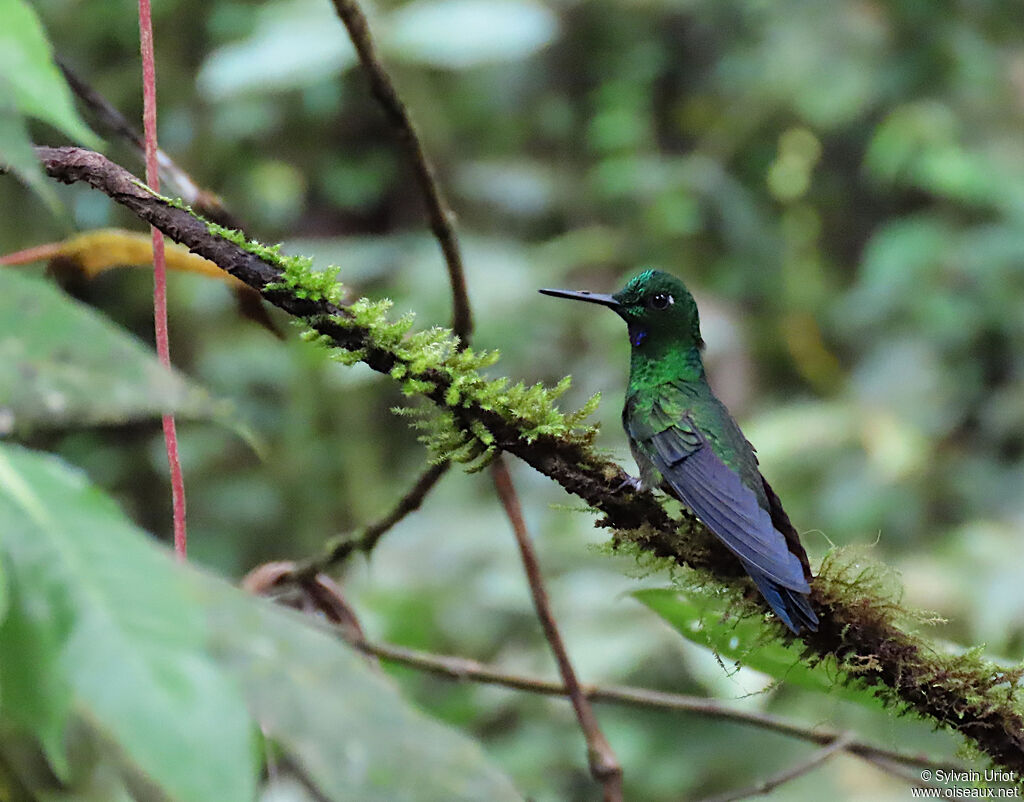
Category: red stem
[36,254]
[163,348]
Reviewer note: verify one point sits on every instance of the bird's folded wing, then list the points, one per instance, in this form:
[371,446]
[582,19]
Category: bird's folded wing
[717,495]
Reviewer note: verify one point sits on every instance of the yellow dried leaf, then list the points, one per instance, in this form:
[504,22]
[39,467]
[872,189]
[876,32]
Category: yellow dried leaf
[94,252]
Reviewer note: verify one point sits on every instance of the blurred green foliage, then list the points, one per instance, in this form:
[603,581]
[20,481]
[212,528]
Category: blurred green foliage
[31,86]
[839,183]
[140,678]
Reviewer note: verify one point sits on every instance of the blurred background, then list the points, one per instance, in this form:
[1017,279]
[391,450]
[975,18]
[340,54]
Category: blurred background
[840,184]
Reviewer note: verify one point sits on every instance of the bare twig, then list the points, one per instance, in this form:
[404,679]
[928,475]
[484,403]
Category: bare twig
[111,119]
[973,697]
[461,668]
[102,109]
[282,759]
[438,211]
[790,774]
[311,594]
[341,548]
[321,595]
[440,217]
[604,766]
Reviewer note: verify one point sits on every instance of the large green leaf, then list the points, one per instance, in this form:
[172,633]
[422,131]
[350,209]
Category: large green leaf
[702,618]
[31,86]
[34,692]
[343,723]
[117,635]
[16,148]
[63,365]
[158,658]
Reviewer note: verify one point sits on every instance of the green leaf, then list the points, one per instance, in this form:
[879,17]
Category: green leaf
[16,148]
[27,65]
[342,722]
[34,693]
[158,657]
[120,634]
[702,618]
[31,86]
[63,365]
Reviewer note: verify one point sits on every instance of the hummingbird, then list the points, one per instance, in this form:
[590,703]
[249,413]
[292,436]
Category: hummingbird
[685,441]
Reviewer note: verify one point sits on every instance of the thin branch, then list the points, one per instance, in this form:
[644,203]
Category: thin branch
[316,593]
[438,211]
[792,773]
[440,217]
[320,594]
[323,596]
[112,120]
[103,110]
[604,766]
[163,347]
[283,759]
[341,548]
[461,668]
[858,626]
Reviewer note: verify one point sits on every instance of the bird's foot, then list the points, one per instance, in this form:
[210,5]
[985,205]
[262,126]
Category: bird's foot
[634,483]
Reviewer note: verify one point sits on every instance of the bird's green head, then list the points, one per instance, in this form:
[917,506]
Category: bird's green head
[657,308]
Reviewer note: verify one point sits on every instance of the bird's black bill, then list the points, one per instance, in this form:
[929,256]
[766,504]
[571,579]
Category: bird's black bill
[583,295]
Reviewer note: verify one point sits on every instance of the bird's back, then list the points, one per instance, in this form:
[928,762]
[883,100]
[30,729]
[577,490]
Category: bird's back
[677,403]
[685,440]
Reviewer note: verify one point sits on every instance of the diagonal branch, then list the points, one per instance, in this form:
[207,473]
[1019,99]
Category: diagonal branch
[110,118]
[340,549]
[321,595]
[790,774]
[438,211]
[858,626]
[604,766]
[461,668]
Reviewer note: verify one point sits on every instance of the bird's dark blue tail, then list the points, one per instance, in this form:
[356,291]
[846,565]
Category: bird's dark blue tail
[789,605]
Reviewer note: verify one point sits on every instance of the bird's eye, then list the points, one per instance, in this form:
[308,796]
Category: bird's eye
[661,300]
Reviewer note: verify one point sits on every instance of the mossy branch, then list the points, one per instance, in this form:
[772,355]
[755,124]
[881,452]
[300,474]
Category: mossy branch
[476,417]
